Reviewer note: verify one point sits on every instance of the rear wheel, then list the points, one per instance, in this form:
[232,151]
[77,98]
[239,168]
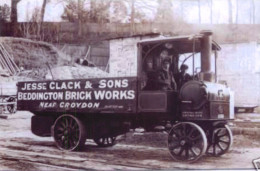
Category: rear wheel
[108,141]
[187,142]
[69,133]
[222,141]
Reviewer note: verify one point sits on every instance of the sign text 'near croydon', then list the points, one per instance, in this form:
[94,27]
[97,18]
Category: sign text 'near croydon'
[63,94]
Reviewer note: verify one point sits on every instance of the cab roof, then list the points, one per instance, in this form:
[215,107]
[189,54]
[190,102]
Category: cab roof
[184,44]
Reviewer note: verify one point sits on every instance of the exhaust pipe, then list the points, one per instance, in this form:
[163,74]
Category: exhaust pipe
[206,60]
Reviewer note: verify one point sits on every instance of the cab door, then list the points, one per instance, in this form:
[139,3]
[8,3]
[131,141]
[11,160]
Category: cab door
[152,101]
[156,101]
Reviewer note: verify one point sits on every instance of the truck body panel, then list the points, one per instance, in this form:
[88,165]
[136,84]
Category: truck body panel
[101,95]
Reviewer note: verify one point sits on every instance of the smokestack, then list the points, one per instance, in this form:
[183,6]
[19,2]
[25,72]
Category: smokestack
[206,60]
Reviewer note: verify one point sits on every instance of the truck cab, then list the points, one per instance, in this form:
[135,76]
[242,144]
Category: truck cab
[201,96]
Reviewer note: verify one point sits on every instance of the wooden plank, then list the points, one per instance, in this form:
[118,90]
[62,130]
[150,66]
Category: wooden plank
[12,58]
[8,103]
[4,62]
[7,58]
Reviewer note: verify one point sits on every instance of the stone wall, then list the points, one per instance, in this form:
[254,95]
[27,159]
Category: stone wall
[239,65]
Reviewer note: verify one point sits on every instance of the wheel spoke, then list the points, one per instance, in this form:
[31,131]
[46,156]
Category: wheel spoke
[74,137]
[225,142]
[71,121]
[184,129]
[222,135]
[60,134]
[187,153]
[172,139]
[214,149]
[174,147]
[175,132]
[181,151]
[70,142]
[221,148]
[191,131]
[196,137]
[60,129]
[66,143]
[74,124]
[193,152]
[66,122]
[63,124]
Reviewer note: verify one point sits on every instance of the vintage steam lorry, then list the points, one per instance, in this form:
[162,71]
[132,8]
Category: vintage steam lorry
[103,108]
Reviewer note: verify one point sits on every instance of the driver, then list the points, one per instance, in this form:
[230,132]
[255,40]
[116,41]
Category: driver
[165,79]
[182,77]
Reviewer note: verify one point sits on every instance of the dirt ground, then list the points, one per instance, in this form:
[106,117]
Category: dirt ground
[21,150]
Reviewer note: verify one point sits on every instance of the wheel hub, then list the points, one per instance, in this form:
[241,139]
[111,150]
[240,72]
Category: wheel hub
[182,142]
[67,131]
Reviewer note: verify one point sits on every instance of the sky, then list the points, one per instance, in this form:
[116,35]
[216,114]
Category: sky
[53,9]
[189,11]
[53,12]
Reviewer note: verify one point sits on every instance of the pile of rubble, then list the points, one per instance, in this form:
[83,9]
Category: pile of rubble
[75,72]
[30,54]
[40,60]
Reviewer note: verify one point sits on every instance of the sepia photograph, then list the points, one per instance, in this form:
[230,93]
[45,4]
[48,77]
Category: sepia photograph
[129,85]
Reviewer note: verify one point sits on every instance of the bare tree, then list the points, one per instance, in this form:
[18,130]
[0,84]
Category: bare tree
[119,12]
[40,31]
[164,11]
[211,11]
[4,13]
[14,16]
[132,16]
[237,8]
[43,9]
[230,11]
[199,6]
[80,9]
[253,11]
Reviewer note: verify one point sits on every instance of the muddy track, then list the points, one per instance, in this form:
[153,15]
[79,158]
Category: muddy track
[90,158]
[21,150]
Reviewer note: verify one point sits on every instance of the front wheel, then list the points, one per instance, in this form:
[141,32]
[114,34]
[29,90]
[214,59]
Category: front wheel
[187,142]
[222,140]
[69,133]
